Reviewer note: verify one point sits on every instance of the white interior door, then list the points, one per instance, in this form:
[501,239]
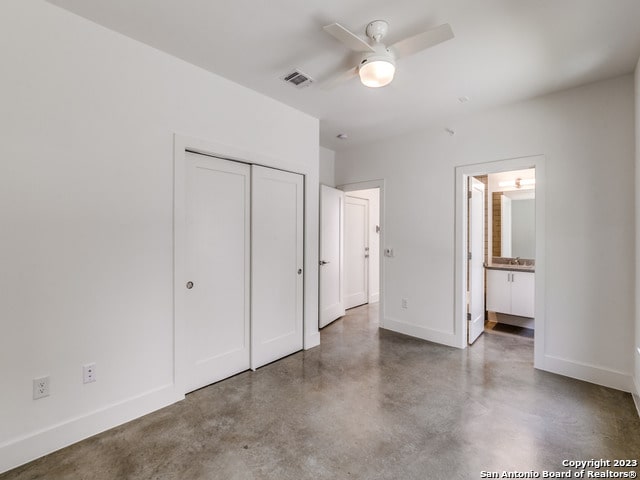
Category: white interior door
[356,251]
[217,269]
[277,210]
[331,240]
[476,267]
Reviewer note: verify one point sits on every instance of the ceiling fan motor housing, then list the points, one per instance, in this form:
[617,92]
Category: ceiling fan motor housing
[381,54]
[377,29]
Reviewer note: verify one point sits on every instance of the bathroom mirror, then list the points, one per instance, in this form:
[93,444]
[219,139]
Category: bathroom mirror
[514,224]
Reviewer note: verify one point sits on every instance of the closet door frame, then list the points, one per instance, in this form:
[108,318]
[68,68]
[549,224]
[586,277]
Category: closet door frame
[184,144]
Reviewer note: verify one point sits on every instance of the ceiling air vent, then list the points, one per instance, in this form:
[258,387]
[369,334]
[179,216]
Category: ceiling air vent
[298,79]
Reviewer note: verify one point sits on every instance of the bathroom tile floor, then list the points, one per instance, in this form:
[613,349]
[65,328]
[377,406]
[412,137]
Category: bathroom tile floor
[366,404]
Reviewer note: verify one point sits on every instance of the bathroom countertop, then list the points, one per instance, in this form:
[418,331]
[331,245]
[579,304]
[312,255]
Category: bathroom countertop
[511,268]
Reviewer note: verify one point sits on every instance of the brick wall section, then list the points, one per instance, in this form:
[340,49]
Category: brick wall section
[497,224]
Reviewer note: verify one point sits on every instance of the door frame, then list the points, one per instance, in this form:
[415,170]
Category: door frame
[460,273]
[183,144]
[378,183]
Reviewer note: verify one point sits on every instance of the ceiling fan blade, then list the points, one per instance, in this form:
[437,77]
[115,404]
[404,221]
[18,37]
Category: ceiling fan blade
[347,38]
[423,40]
[338,78]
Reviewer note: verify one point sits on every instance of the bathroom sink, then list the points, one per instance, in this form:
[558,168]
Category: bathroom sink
[507,266]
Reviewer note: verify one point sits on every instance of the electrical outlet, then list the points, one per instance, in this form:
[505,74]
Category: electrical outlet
[89,373]
[40,387]
[405,303]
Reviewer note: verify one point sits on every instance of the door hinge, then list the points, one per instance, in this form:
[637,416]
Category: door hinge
[469,256]
[469,194]
[468,317]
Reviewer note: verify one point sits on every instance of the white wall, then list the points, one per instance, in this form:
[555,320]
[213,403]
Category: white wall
[587,137]
[86,198]
[327,167]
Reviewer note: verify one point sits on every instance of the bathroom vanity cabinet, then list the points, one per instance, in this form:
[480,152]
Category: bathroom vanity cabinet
[511,292]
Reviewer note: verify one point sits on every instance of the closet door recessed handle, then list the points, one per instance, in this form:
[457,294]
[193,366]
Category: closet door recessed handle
[324,262]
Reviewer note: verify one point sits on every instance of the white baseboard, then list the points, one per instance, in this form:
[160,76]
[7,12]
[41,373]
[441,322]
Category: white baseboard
[589,373]
[437,336]
[311,340]
[374,297]
[34,445]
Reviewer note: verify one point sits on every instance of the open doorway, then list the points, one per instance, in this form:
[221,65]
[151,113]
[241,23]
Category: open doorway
[501,254]
[361,247]
[513,262]
[373,190]
[510,263]
[351,235]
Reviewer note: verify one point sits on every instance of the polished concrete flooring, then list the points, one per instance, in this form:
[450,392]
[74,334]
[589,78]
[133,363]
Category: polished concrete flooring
[366,404]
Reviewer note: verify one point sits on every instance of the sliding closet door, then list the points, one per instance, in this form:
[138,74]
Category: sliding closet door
[277,210]
[217,299]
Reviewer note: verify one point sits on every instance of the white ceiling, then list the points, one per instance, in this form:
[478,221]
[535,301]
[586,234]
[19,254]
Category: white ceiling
[503,51]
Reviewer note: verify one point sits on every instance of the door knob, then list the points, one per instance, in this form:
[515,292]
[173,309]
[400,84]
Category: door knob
[324,262]
[189,285]
[299,271]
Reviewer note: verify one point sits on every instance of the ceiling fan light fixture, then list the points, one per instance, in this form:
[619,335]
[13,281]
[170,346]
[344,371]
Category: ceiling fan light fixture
[378,64]
[376,71]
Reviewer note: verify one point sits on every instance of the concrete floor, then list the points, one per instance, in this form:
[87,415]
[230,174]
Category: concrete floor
[366,404]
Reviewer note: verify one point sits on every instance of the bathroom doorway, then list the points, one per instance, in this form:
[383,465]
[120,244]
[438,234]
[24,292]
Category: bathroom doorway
[510,253]
[513,261]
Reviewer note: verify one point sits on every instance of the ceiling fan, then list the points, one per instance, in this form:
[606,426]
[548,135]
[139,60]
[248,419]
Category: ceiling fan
[378,63]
